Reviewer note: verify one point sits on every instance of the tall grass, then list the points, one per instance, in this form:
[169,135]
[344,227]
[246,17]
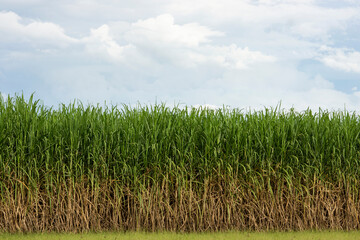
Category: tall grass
[157,168]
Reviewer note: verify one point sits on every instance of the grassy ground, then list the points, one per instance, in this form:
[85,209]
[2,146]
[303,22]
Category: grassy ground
[326,235]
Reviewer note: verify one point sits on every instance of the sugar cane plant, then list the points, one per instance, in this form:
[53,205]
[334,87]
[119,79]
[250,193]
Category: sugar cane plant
[80,168]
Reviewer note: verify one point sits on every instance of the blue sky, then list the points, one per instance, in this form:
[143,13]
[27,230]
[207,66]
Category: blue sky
[239,53]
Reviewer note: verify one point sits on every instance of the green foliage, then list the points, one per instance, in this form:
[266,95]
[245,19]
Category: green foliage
[137,146]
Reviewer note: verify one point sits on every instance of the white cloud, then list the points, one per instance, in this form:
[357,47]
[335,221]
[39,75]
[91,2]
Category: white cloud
[330,99]
[159,41]
[230,56]
[340,58]
[21,2]
[246,89]
[309,18]
[12,30]
[193,54]
[321,83]
[301,18]
[163,30]
[101,42]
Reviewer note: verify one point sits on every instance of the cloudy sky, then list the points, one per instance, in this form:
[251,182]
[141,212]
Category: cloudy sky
[238,53]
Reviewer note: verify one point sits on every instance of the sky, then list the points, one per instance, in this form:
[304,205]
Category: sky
[235,53]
